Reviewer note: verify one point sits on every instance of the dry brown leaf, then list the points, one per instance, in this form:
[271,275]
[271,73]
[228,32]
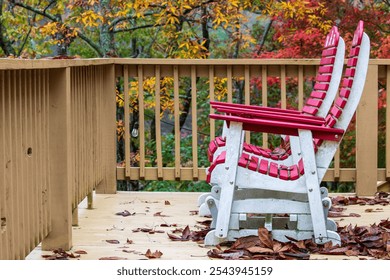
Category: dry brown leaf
[277,247]
[112,258]
[300,244]
[156,255]
[113,241]
[260,250]
[168,225]
[142,229]
[158,214]
[338,251]
[351,253]
[128,251]
[186,233]
[232,255]
[246,242]
[177,230]
[354,215]
[167,202]
[265,238]
[81,252]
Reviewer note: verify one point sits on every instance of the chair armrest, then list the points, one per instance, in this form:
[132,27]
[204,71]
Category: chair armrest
[283,127]
[217,104]
[277,115]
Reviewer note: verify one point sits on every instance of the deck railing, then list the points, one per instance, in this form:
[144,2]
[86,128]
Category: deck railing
[201,74]
[58,131]
[54,139]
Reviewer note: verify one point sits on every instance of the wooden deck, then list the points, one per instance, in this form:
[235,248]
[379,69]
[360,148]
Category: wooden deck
[150,210]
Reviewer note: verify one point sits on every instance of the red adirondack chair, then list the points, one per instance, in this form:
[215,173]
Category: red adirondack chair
[324,91]
[253,188]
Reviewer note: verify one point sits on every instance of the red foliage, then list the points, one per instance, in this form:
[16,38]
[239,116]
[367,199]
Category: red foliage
[300,38]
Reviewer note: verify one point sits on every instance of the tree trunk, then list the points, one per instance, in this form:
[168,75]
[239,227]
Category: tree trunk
[267,28]
[107,41]
[205,30]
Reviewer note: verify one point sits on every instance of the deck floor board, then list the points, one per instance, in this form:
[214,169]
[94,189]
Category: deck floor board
[149,210]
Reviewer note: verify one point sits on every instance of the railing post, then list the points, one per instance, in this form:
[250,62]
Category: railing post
[61,160]
[367,136]
[108,184]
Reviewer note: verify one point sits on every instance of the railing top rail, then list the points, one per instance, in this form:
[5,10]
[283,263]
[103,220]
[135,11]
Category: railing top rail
[6,64]
[13,64]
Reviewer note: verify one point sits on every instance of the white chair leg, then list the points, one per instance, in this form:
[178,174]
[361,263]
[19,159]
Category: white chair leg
[313,187]
[233,148]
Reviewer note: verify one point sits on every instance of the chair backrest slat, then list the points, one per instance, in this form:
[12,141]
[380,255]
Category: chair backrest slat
[328,77]
[351,91]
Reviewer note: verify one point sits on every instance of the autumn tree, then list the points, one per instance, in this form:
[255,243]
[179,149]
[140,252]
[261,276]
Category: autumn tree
[299,26]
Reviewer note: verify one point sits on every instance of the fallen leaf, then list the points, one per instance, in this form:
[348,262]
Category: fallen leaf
[186,233]
[60,254]
[217,253]
[165,225]
[81,252]
[206,223]
[232,255]
[73,256]
[112,258]
[368,210]
[370,238]
[158,214]
[214,253]
[265,238]
[336,251]
[168,225]
[125,213]
[259,250]
[177,230]
[300,244]
[167,202]
[246,242]
[302,256]
[128,241]
[157,254]
[128,251]
[354,215]
[194,212]
[351,253]
[174,237]
[113,241]
[142,229]
[333,214]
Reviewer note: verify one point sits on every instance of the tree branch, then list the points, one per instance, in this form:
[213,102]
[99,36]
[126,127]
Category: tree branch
[264,37]
[25,41]
[137,27]
[129,17]
[81,35]
[94,46]
[35,10]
